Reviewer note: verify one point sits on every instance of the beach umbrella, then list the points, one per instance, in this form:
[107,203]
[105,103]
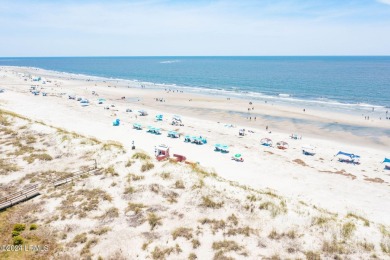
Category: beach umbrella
[237,155]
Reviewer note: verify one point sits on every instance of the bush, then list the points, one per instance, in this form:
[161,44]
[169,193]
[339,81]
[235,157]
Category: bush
[179,184]
[209,203]
[15,233]
[18,240]
[19,227]
[182,232]
[33,226]
[142,156]
[147,166]
[347,229]
[153,220]
[135,207]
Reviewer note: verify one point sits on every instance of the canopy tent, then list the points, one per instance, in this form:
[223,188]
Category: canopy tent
[142,113]
[176,117]
[348,157]
[266,142]
[386,161]
[282,145]
[308,150]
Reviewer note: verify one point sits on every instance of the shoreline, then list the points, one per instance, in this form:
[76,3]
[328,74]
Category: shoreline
[281,99]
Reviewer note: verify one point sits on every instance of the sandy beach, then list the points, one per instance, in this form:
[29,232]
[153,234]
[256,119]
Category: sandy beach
[319,181]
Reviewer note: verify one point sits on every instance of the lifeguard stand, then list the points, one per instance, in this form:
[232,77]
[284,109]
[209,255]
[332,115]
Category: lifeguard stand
[162,152]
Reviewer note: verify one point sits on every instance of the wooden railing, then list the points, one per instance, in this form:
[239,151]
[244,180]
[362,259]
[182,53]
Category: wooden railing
[33,190]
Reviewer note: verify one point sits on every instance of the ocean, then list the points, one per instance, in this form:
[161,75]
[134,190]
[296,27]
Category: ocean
[341,83]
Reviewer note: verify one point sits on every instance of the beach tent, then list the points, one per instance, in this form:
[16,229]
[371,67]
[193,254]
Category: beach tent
[266,142]
[217,147]
[142,113]
[348,157]
[176,118]
[137,126]
[157,131]
[386,161]
[282,145]
[308,150]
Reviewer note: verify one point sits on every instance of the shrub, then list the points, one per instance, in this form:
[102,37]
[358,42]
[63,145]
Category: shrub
[19,227]
[111,171]
[147,166]
[15,233]
[129,163]
[80,238]
[153,220]
[182,232]
[310,255]
[192,256]
[33,226]
[179,184]
[100,231]
[18,240]
[159,254]
[209,203]
[140,155]
[165,175]
[347,229]
[195,243]
[42,157]
[135,207]
[226,245]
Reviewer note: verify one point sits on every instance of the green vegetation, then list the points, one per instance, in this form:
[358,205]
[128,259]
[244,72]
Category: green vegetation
[209,203]
[182,232]
[154,220]
[141,156]
[147,166]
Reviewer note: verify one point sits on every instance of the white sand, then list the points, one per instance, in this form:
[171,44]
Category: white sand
[261,169]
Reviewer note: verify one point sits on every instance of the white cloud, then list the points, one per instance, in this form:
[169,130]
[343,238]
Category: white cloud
[387,2]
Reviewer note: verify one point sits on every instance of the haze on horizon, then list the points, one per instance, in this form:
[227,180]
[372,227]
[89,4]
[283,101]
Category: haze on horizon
[194,28]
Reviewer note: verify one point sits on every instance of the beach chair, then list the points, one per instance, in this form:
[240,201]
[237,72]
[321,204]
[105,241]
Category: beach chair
[224,149]
[238,157]
[116,122]
[348,157]
[282,145]
[137,126]
[308,150]
[187,139]
[150,129]
[266,142]
[157,131]
[386,161]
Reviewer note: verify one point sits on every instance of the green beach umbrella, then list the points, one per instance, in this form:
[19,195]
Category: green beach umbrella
[237,155]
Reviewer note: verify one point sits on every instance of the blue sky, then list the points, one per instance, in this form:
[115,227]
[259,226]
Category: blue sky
[158,27]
